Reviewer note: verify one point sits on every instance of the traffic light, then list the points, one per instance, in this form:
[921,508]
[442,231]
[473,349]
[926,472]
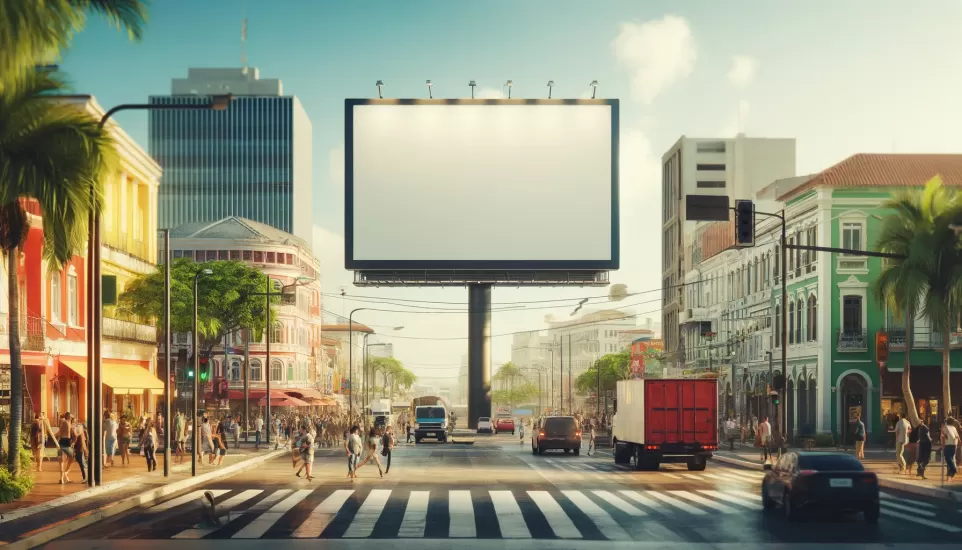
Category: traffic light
[744,223]
[776,400]
[190,373]
[778,381]
[204,369]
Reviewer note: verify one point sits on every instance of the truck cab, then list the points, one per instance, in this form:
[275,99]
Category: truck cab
[431,422]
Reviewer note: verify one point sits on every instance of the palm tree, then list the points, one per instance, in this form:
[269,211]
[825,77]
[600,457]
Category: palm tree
[927,277]
[34,32]
[52,152]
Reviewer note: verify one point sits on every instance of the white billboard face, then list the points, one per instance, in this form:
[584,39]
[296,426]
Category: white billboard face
[515,184]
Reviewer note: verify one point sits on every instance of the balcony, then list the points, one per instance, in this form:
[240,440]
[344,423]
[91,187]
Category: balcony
[32,333]
[852,340]
[923,339]
[694,315]
[120,242]
[129,331]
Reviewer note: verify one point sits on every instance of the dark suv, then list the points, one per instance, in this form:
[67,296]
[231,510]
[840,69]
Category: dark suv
[556,432]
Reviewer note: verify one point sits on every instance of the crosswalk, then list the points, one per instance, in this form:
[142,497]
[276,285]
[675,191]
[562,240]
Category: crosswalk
[602,470]
[361,513]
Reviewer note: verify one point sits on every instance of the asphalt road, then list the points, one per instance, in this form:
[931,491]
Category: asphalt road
[496,494]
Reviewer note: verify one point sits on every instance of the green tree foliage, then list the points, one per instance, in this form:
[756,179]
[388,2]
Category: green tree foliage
[398,378]
[53,152]
[231,298]
[512,386]
[35,31]
[613,367]
[928,277]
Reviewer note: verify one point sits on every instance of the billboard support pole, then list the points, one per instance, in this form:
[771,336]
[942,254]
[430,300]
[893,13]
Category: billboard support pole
[479,353]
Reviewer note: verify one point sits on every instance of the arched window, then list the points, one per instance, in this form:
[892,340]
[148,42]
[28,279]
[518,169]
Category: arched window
[255,371]
[791,323]
[56,298]
[812,318]
[777,329]
[290,371]
[278,333]
[215,364]
[277,371]
[234,374]
[799,308]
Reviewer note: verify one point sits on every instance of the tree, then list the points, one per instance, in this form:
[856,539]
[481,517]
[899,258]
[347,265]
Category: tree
[54,153]
[231,298]
[927,278]
[613,367]
[34,32]
[515,388]
[392,368]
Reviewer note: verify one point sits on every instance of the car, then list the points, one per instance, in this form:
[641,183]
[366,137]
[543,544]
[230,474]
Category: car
[504,425]
[484,425]
[556,433]
[821,481]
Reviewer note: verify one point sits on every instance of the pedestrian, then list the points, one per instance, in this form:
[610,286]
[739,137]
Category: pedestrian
[730,428]
[521,431]
[207,440]
[78,442]
[591,439]
[307,452]
[409,433]
[950,440]
[236,430]
[763,437]
[924,450]
[148,443]
[258,428]
[65,441]
[372,438]
[221,441]
[180,434]
[859,437]
[124,436]
[902,429]
[353,448]
[387,446]
[110,438]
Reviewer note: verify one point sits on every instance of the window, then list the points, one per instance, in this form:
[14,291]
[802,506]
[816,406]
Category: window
[246,254]
[711,184]
[200,255]
[223,255]
[799,308]
[270,258]
[791,323]
[778,324]
[72,301]
[277,371]
[278,333]
[290,371]
[852,236]
[255,371]
[711,167]
[234,375]
[711,147]
[258,257]
[211,255]
[235,254]
[812,323]
[56,297]
[852,315]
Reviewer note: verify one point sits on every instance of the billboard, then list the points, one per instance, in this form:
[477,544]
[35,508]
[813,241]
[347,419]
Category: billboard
[481,184]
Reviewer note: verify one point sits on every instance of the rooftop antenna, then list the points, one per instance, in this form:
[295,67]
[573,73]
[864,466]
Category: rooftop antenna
[244,39]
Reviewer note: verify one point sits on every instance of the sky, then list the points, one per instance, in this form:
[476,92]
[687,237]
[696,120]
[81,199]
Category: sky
[839,77]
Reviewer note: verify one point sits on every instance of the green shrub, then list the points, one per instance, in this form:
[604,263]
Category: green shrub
[12,488]
[824,440]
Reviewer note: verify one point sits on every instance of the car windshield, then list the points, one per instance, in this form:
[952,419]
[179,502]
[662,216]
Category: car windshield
[832,463]
[431,412]
[484,419]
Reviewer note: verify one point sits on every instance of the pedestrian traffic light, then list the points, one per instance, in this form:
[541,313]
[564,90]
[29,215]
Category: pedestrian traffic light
[190,373]
[204,369]
[779,381]
[744,223]
[775,398]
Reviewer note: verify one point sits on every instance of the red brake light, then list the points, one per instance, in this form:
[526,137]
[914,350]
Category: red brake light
[577,434]
[807,472]
[541,434]
[868,479]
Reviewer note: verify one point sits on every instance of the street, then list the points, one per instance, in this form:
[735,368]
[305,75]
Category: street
[496,490]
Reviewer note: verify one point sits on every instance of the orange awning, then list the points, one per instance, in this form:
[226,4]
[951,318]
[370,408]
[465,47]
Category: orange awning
[130,379]
[79,367]
[26,358]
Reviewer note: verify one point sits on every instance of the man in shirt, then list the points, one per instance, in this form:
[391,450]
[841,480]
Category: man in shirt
[902,429]
[730,428]
[258,428]
[950,439]
[765,437]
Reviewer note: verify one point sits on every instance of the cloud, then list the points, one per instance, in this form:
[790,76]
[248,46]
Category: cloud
[488,93]
[658,53]
[737,123]
[742,72]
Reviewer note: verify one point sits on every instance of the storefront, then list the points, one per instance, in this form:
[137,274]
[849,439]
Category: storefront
[926,385]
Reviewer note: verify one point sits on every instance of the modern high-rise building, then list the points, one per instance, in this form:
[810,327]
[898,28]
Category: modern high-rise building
[735,167]
[252,160]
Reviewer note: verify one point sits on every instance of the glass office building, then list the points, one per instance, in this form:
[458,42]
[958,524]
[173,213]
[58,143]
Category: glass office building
[252,160]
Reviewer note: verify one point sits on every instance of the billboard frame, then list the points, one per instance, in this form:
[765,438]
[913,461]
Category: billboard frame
[476,265]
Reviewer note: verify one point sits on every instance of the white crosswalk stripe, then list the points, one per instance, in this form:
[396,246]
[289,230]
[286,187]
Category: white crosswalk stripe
[606,524]
[181,500]
[260,506]
[415,515]
[734,499]
[322,515]
[226,506]
[509,515]
[367,515]
[461,512]
[263,522]
[558,520]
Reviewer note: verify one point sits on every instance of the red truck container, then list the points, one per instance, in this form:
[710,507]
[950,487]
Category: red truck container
[665,420]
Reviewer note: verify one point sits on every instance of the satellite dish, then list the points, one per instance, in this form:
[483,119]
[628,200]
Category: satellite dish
[618,292]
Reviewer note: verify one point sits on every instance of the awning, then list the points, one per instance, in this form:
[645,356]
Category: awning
[286,401]
[79,367]
[307,394]
[27,359]
[130,379]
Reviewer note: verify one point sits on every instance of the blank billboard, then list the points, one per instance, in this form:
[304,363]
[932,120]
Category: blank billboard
[481,184]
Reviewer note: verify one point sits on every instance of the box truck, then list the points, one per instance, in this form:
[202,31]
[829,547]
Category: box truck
[665,420]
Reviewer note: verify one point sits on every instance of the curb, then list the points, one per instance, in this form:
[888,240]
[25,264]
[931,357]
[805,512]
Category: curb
[37,538]
[888,483]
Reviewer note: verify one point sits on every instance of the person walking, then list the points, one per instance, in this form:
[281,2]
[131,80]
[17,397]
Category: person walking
[78,442]
[180,436]
[371,452]
[148,442]
[258,428]
[950,440]
[924,450]
[307,452]
[236,431]
[409,432]
[387,446]
[902,429]
[124,436]
[591,439]
[353,448]
[763,438]
[110,438]
[65,441]
[859,438]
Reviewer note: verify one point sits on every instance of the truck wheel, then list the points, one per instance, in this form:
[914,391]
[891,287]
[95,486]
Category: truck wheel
[622,454]
[697,464]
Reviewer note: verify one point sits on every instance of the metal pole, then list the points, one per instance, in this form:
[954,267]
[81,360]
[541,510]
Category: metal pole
[91,336]
[561,372]
[781,411]
[167,345]
[570,405]
[350,357]
[768,403]
[267,359]
[598,395]
[193,400]
[247,382]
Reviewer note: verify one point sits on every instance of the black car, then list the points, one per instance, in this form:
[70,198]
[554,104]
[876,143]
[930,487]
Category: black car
[556,432]
[824,481]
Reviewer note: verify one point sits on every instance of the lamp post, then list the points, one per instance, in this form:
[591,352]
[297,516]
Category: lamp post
[167,344]
[95,298]
[196,345]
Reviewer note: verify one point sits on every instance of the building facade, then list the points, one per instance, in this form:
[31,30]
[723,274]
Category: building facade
[298,364]
[252,160]
[736,168]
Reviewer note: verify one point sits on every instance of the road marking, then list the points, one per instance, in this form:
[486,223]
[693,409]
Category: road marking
[733,477]
[733,499]
[260,506]
[322,515]
[902,507]
[367,515]
[606,524]
[226,506]
[683,506]
[415,515]
[263,522]
[718,477]
[693,476]
[673,476]
[921,521]
[751,497]
[194,495]
[620,503]
[890,496]
[461,515]
[509,515]
[704,501]
[558,520]
[754,476]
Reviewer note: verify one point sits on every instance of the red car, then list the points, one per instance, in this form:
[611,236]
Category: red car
[504,425]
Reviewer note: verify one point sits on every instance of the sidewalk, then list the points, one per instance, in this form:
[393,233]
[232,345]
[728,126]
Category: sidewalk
[880,461]
[51,507]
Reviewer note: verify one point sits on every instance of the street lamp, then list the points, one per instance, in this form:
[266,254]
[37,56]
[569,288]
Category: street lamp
[196,345]
[167,345]
[95,298]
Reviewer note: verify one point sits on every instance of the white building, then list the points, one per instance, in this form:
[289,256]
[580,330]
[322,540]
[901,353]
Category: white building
[738,168]
[380,349]
[297,356]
